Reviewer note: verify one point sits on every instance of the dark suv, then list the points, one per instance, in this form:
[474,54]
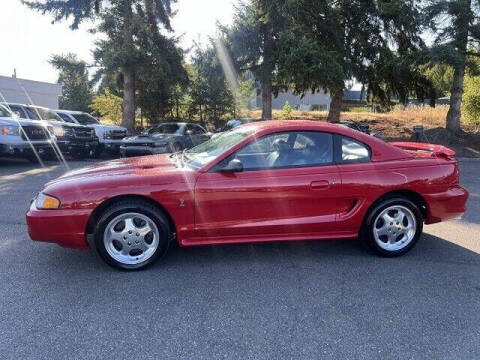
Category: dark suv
[75,140]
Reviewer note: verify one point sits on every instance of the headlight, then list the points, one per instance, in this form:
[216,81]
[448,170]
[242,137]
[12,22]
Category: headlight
[59,131]
[46,202]
[68,132]
[11,130]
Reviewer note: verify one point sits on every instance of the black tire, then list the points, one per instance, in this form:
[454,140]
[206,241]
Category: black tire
[78,155]
[137,206]
[367,232]
[95,153]
[33,159]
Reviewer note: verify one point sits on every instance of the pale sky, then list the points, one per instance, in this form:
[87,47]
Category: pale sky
[28,38]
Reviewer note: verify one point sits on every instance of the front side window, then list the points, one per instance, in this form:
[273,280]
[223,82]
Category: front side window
[287,149]
[354,151]
[195,129]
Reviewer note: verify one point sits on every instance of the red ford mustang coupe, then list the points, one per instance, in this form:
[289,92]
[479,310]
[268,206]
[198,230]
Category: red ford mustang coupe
[264,181]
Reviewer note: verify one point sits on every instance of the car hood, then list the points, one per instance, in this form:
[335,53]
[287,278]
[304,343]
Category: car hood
[119,177]
[119,167]
[108,127]
[147,138]
[22,122]
[56,123]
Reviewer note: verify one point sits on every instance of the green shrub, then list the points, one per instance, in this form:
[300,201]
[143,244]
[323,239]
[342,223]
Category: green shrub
[471,100]
[286,112]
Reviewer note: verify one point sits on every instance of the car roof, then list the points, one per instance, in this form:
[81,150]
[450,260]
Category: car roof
[71,112]
[27,105]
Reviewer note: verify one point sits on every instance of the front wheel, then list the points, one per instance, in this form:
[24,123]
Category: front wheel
[393,227]
[131,235]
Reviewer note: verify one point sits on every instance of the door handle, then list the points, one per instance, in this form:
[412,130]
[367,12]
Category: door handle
[320,185]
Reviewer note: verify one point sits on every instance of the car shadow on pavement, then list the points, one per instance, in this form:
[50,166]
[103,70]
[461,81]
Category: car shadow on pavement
[286,255]
[429,249]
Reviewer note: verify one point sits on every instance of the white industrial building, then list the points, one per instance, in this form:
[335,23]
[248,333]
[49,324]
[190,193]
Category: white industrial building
[24,91]
[319,100]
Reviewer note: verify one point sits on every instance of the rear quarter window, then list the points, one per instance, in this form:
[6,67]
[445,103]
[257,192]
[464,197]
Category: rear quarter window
[353,151]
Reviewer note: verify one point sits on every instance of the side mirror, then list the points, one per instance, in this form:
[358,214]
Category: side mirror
[189,132]
[234,165]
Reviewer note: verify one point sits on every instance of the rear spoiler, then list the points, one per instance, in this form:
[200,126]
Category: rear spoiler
[432,149]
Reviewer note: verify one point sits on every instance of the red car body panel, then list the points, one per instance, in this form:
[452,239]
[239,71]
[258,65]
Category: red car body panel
[206,207]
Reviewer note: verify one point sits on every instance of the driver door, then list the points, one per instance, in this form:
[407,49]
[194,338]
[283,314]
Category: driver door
[276,195]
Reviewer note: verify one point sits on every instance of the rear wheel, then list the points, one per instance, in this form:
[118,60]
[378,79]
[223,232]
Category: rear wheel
[131,235]
[393,227]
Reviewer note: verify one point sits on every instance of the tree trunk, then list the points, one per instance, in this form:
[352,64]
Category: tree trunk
[128,119]
[462,25]
[454,112]
[267,99]
[335,107]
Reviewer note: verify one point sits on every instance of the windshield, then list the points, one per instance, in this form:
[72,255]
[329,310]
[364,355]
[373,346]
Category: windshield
[4,112]
[45,114]
[206,152]
[85,119]
[165,129]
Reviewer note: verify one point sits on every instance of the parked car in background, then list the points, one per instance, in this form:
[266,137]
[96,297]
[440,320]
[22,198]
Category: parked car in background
[22,138]
[267,181]
[232,124]
[109,136]
[362,127]
[75,140]
[164,138]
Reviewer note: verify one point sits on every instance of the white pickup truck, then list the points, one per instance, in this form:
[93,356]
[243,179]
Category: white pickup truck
[22,138]
[109,136]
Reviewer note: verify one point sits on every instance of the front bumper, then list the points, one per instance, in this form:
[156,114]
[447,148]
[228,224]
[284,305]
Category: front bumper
[447,205]
[25,149]
[66,228]
[70,146]
[112,146]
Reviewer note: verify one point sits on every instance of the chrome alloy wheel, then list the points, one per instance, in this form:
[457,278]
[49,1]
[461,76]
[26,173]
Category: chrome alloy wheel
[394,228]
[131,238]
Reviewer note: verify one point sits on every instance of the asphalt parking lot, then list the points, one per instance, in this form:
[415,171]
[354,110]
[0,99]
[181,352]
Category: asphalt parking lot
[306,300]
